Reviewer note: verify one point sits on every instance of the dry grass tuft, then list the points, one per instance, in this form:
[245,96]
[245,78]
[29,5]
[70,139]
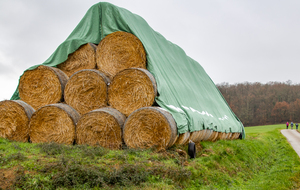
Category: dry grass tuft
[119,51]
[54,123]
[14,120]
[86,90]
[150,127]
[101,127]
[83,58]
[132,89]
[42,86]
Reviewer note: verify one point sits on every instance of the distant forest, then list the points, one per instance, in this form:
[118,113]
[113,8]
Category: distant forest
[262,104]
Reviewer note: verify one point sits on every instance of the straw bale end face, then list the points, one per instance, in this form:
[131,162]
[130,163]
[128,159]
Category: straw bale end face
[14,120]
[150,127]
[42,86]
[101,127]
[132,89]
[86,90]
[82,58]
[119,51]
[54,123]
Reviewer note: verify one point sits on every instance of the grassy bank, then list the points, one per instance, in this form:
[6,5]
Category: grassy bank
[264,160]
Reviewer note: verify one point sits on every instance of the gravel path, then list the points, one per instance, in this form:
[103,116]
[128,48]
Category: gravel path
[294,139]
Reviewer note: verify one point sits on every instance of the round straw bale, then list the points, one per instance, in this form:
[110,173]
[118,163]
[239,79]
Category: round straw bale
[235,136]
[223,136]
[229,136]
[132,89]
[220,134]
[232,136]
[195,136]
[54,123]
[14,120]
[216,136]
[183,138]
[207,134]
[101,127]
[150,127]
[83,58]
[86,90]
[203,135]
[42,86]
[213,136]
[119,51]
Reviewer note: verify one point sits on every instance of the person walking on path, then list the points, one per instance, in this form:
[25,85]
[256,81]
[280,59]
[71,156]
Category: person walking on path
[296,126]
[287,125]
[292,125]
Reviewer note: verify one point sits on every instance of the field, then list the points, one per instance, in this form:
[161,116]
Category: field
[263,129]
[264,160]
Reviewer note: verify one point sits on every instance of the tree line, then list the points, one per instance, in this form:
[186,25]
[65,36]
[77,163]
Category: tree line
[263,104]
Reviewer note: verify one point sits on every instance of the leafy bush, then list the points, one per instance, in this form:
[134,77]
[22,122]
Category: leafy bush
[17,156]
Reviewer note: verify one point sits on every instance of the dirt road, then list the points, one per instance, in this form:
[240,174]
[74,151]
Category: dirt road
[294,139]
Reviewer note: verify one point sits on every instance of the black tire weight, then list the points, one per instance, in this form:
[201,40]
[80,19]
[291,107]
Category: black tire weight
[192,150]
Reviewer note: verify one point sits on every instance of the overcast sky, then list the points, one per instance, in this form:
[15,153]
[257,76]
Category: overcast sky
[234,40]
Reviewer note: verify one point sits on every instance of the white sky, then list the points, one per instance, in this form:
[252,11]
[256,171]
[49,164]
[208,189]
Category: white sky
[234,40]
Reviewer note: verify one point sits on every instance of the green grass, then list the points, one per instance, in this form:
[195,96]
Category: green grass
[264,160]
[263,128]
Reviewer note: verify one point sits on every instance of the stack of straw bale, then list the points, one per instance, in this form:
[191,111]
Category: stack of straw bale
[107,101]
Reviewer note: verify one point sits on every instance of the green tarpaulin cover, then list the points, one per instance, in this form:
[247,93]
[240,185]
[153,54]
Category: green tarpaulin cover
[184,88]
